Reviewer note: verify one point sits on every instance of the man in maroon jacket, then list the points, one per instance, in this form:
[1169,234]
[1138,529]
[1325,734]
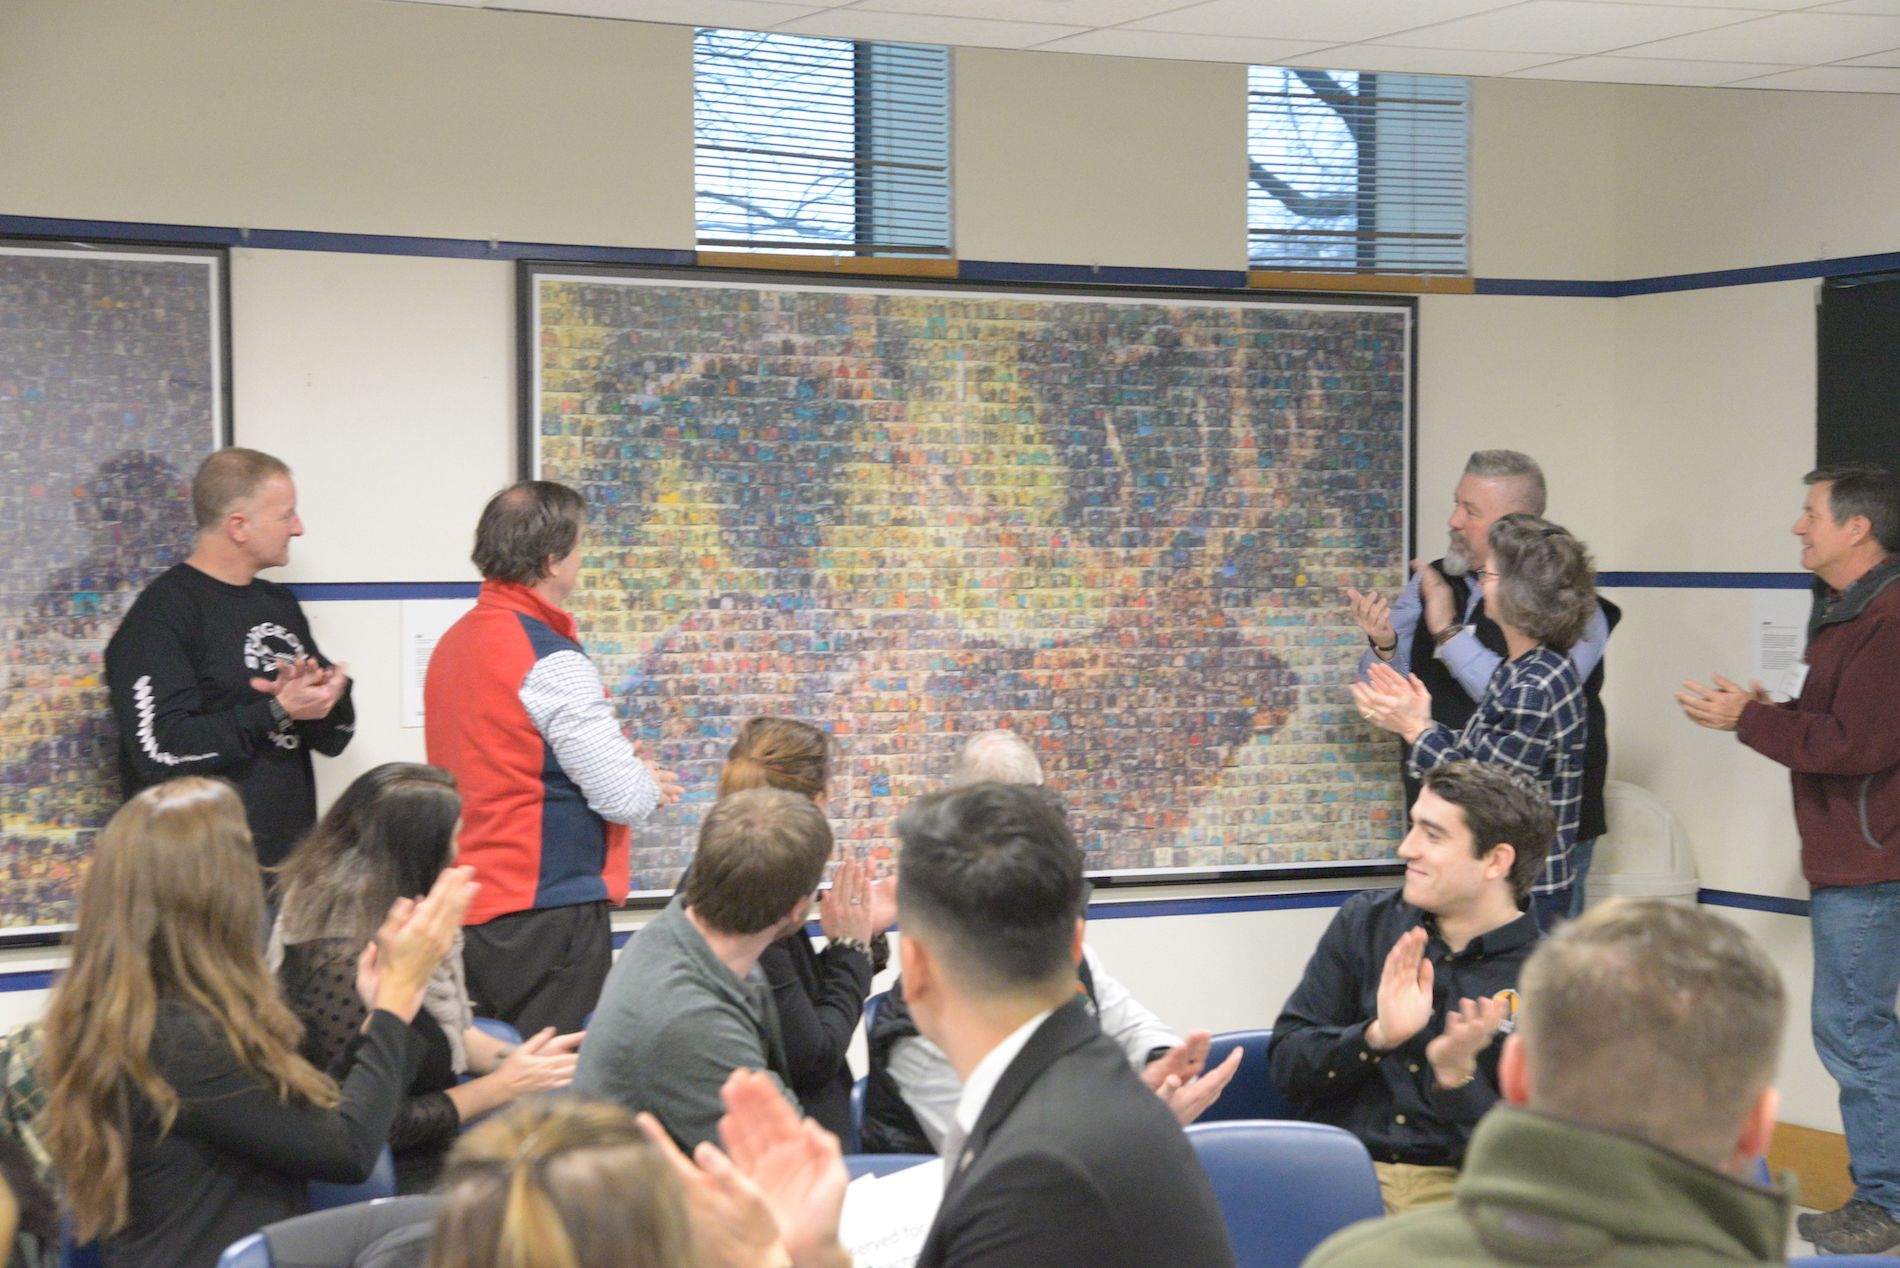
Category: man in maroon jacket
[1840,739]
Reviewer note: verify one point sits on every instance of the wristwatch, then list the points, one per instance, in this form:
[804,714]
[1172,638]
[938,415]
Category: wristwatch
[1450,632]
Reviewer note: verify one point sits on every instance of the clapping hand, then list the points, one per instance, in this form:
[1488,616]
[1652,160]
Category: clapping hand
[844,910]
[1719,707]
[1372,612]
[1405,993]
[1180,1078]
[1394,701]
[671,790]
[1468,1031]
[305,690]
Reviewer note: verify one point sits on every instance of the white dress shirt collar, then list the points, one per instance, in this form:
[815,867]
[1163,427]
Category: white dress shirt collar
[989,1071]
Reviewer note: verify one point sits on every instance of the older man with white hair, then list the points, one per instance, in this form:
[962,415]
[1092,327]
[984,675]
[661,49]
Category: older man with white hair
[911,1097]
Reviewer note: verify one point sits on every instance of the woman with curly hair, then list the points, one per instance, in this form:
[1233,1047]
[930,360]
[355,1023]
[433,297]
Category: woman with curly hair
[1540,589]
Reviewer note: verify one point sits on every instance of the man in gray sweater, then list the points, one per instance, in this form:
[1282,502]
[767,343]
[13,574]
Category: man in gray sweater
[685,1005]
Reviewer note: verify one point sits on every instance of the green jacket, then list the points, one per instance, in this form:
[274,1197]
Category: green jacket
[1539,1190]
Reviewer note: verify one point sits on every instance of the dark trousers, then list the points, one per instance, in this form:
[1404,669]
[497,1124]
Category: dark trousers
[533,969]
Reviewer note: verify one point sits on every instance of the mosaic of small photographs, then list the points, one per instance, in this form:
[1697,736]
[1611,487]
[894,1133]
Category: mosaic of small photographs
[1123,529]
[108,403]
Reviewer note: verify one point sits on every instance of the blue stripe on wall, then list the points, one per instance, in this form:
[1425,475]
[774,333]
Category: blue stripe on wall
[1752,902]
[967,270]
[1708,580]
[336,591]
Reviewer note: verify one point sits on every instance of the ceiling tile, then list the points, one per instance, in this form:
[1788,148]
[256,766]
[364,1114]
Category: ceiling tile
[1882,8]
[1767,6]
[1647,70]
[1783,37]
[917,28]
[1083,13]
[1569,26]
[749,15]
[1331,21]
[1829,79]
[1122,42]
[1889,58]
[1420,61]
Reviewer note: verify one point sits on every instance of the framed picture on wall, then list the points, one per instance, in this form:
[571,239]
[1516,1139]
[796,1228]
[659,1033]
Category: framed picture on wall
[114,386]
[1119,523]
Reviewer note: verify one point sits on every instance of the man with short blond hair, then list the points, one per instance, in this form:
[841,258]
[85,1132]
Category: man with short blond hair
[1638,1095]
[213,671]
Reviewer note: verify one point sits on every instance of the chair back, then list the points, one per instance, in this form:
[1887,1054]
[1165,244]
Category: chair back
[499,1029]
[247,1252]
[1285,1187]
[883,1164]
[1841,1261]
[74,1254]
[1251,1095]
[381,1184]
[871,1006]
[854,1139]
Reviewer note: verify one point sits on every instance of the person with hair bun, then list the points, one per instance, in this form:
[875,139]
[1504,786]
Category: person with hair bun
[820,994]
[1540,588]
[389,836]
[179,1113]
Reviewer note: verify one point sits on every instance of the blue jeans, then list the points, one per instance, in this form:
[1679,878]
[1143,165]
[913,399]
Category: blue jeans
[1553,908]
[1856,976]
[1580,856]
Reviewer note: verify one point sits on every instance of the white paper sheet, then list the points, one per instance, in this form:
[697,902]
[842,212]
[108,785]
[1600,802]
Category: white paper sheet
[1781,635]
[424,622]
[886,1218]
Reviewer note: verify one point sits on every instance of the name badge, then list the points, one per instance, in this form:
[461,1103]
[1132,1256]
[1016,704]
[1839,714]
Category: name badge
[1796,679]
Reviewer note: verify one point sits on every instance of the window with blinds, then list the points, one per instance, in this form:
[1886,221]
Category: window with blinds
[1352,172]
[806,144]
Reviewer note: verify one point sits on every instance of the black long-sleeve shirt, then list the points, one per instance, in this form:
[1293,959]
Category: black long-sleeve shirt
[180,669]
[1390,1100]
[238,1157]
[319,983]
[820,996]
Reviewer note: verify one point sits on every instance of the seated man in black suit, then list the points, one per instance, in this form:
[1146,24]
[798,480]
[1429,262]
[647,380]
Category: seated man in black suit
[1392,1031]
[1058,1154]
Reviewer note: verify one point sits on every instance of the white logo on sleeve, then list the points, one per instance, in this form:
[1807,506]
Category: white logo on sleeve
[148,737]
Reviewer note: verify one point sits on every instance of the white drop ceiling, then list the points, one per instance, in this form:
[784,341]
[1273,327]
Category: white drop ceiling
[1838,46]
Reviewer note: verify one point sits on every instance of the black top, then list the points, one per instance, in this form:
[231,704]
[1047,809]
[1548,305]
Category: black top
[180,670]
[1076,1163]
[319,981]
[1390,1100]
[238,1157]
[1452,707]
[820,996]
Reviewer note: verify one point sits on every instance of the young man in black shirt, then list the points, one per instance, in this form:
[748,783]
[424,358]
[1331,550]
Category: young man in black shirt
[1391,1032]
[214,672]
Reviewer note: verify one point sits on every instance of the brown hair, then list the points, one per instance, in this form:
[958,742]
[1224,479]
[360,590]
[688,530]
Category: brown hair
[1546,580]
[1654,1019]
[759,851]
[228,477]
[778,753]
[560,1183]
[523,525]
[1500,805]
[387,837]
[172,911]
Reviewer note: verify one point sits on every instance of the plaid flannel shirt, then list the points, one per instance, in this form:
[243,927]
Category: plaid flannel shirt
[1531,719]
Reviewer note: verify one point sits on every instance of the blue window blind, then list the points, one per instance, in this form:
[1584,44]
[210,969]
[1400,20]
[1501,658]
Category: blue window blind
[806,144]
[1352,172]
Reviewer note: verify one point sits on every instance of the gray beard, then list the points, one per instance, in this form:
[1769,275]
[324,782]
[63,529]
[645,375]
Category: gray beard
[1457,557]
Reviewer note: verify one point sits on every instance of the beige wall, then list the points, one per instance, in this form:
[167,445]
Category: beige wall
[1072,159]
[348,116]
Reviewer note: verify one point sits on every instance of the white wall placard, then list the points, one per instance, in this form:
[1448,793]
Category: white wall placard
[1781,635]
[424,621]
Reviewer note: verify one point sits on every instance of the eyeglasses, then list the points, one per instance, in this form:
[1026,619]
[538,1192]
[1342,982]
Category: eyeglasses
[1482,573]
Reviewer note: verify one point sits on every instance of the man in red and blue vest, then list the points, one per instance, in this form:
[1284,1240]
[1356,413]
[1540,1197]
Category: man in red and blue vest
[518,714]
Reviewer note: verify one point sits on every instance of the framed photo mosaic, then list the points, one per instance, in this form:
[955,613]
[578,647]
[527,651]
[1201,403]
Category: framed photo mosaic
[1118,523]
[113,388]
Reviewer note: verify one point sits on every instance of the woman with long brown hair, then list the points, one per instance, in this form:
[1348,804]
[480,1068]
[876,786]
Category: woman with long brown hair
[179,1114]
[820,994]
[389,835]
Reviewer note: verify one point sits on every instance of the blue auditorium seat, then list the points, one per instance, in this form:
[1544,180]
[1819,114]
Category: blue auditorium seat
[1251,1094]
[381,1184]
[246,1252]
[883,1164]
[1285,1187]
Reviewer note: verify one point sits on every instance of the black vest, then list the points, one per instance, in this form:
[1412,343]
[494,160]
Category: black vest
[1453,708]
[889,1126]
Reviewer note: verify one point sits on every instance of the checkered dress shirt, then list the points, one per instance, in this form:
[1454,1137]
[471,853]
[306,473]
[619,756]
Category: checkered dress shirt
[1531,719]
